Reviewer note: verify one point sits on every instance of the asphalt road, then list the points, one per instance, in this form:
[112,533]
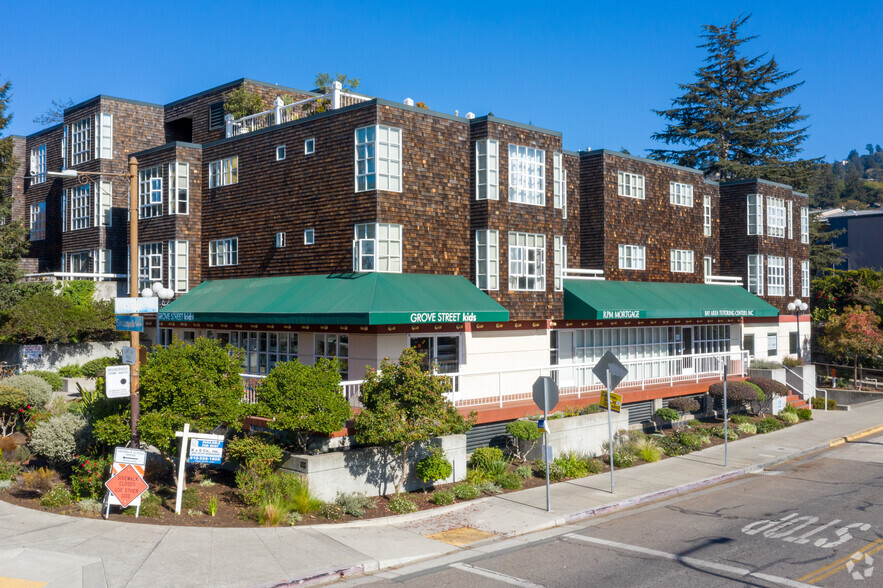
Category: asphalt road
[817,521]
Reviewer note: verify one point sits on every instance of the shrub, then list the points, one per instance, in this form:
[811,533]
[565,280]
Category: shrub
[190,499]
[524,471]
[42,480]
[623,459]
[788,417]
[683,404]
[255,453]
[95,367]
[510,481]
[272,512]
[572,464]
[694,422]
[556,474]
[474,476]
[435,466]
[54,380]
[484,456]
[668,414]
[465,492]
[151,506]
[704,437]
[332,511]
[9,470]
[112,430]
[70,371]
[737,392]
[243,102]
[738,419]
[442,497]
[718,432]
[769,386]
[88,476]
[591,409]
[489,488]
[401,504]
[354,504]
[12,402]
[804,414]
[769,424]
[762,364]
[36,388]
[212,508]
[818,403]
[57,496]
[497,467]
[648,450]
[792,361]
[60,438]
[91,506]
[689,440]
[526,434]
[747,428]
[671,446]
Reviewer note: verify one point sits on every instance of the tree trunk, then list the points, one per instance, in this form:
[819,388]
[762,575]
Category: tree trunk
[404,468]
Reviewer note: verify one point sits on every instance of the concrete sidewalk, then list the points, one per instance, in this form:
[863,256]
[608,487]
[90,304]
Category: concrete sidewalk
[52,550]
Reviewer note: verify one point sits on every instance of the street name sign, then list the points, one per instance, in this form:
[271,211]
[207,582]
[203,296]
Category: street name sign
[129,323]
[118,381]
[138,305]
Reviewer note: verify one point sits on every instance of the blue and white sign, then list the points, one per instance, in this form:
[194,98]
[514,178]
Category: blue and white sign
[136,305]
[206,450]
[129,323]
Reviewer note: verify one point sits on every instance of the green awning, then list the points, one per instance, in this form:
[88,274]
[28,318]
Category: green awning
[337,299]
[603,300]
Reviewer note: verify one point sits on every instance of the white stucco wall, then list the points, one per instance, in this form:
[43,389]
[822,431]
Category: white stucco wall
[782,331]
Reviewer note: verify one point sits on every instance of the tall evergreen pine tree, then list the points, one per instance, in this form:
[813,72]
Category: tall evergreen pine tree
[730,118]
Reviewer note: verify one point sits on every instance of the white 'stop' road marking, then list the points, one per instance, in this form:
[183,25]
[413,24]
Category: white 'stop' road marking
[689,560]
[495,575]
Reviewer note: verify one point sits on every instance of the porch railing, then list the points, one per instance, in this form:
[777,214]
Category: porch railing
[283,113]
[800,386]
[724,280]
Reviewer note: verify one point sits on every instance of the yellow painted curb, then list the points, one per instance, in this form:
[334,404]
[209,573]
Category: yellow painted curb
[855,436]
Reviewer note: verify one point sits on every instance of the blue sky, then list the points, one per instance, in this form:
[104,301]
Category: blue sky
[592,70]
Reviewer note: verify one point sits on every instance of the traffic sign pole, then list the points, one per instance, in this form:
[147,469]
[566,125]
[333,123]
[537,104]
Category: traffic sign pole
[610,428]
[546,453]
[726,457]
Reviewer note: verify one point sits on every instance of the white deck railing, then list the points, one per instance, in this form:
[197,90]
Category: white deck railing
[724,280]
[496,388]
[573,273]
[46,276]
[283,113]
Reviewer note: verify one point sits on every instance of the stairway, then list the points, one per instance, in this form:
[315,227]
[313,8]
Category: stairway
[796,401]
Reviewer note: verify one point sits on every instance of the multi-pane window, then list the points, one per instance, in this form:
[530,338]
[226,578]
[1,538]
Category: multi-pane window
[804,224]
[379,158]
[80,207]
[223,252]
[706,216]
[680,194]
[527,175]
[80,262]
[179,188]
[682,261]
[377,247]
[104,258]
[775,275]
[804,278]
[223,172]
[280,240]
[755,274]
[63,213]
[631,185]
[38,164]
[280,152]
[775,217]
[104,203]
[334,346]
[559,262]
[790,220]
[262,350]
[38,221]
[790,276]
[150,192]
[81,141]
[149,264]
[487,260]
[755,214]
[527,261]
[772,344]
[64,142]
[632,257]
[179,265]
[309,236]
[104,124]
[487,169]
[309,146]
[559,182]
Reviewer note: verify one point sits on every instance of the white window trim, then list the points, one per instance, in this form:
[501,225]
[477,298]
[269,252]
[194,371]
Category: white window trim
[682,261]
[559,188]
[150,192]
[385,254]
[522,257]
[804,224]
[804,278]
[487,160]
[680,194]
[179,273]
[706,216]
[150,266]
[385,152]
[790,276]
[632,257]
[775,275]
[707,263]
[179,174]
[527,175]
[756,274]
[80,207]
[559,262]
[487,251]
[790,219]
[280,239]
[81,141]
[280,152]
[309,236]
[309,146]
[775,215]
[63,214]
[38,221]
[104,204]
[104,135]
[38,164]
[223,172]
[223,252]
[630,185]
[754,203]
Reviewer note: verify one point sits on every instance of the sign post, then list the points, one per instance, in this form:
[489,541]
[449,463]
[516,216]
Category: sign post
[610,371]
[545,396]
[726,457]
[208,448]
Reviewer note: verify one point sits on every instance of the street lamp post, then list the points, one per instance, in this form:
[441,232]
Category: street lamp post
[797,307]
[164,294]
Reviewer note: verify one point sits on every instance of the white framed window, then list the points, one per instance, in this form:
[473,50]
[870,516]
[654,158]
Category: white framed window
[632,257]
[775,217]
[439,353]
[527,175]
[755,214]
[263,350]
[223,252]
[706,265]
[680,194]
[682,261]
[104,204]
[775,275]
[104,261]
[755,274]
[309,236]
[280,240]
[377,247]
[179,265]
[309,146]
[104,137]
[64,143]
[81,141]
[63,214]
[38,221]
[280,152]
[80,262]
[790,276]
[334,346]
[150,192]
[559,182]
[804,278]
[527,261]
[772,344]
[38,164]
[149,264]
[706,216]
[223,172]
[179,188]
[790,220]
[379,158]
[630,185]
[80,207]
[487,169]
[559,262]
[487,259]
[804,224]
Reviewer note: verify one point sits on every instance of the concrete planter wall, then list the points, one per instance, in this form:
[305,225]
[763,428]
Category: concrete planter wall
[776,374]
[584,433]
[372,470]
[57,355]
[69,385]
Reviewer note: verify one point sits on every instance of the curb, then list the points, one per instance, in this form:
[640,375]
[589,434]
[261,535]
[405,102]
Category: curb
[318,577]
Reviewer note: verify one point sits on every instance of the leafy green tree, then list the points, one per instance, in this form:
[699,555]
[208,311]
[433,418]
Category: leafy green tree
[48,318]
[12,401]
[853,334]
[730,119]
[197,384]
[839,289]
[243,102]
[303,399]
[13,235]
[404,405]
[324,80]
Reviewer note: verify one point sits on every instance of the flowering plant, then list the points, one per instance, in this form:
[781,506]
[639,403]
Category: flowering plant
[33,416]
[88,476]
